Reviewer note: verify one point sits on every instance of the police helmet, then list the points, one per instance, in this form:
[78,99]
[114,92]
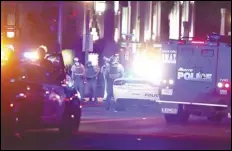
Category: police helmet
[114,59]
[89,63]
[107,60]
[76,59]
[42,50]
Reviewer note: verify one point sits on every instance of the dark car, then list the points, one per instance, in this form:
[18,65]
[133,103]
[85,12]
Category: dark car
[42,99]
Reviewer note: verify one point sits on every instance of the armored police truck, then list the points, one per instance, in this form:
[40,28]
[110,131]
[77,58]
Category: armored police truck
[196,79]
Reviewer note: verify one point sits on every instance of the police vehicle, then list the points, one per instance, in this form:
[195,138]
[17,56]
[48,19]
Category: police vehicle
[41,99]
[134,90]
[139,85]
[196,79]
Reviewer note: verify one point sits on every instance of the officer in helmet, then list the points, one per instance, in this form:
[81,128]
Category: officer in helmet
[103,72]
[42,52]
[114,71]
[78,76]
[91,77]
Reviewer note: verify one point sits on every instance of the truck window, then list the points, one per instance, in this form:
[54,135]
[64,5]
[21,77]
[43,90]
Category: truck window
[186,55]
[207,52]
[187,52]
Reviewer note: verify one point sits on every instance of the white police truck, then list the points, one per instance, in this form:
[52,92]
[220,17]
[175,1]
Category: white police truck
[196,79]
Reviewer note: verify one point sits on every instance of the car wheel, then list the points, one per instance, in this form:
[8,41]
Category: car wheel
[181,117]
[70,123]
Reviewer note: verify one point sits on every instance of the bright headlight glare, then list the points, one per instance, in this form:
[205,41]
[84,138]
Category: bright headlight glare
[143,66]
[171,82]
[31,55]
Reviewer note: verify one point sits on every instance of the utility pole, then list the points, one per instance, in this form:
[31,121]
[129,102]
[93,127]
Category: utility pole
[87,37]
[87,30]
[60,25]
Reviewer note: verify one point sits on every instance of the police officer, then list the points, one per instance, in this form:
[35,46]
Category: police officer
[103,72]
[91,77]
[78,76]
[114,71]
[42,52]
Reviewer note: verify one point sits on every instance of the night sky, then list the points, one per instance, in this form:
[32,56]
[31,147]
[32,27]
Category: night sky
[208,16]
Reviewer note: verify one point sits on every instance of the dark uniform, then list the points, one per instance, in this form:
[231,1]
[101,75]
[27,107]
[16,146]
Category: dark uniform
[114,71]
[103,72]
[91,77]
[78,76]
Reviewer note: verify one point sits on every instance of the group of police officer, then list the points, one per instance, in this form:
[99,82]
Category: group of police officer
[110,71]
[88,74]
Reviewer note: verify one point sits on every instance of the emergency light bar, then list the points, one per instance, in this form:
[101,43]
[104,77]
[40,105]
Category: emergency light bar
[190,42]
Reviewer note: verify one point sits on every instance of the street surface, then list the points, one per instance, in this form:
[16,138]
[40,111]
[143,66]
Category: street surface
[137,128]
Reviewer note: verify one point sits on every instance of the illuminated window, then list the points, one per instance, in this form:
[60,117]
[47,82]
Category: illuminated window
[94,58]
[94,34]
[116,6]
[100,6]
[10,34]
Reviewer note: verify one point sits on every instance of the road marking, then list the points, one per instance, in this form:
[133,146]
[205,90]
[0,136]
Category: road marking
[118,120]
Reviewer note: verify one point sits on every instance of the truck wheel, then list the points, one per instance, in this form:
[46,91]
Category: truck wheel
[216,118]
[181,117]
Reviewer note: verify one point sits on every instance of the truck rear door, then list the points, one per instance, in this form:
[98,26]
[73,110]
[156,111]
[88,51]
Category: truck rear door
[224,72]
[196,68]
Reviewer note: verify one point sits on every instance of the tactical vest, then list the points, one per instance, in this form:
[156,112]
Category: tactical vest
[90,71]
[78,70]
[114,71]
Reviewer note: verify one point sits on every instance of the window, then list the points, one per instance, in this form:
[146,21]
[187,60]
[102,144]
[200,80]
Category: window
[187,52]
[207,52]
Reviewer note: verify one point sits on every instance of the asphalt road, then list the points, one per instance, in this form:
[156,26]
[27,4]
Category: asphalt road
[139,128]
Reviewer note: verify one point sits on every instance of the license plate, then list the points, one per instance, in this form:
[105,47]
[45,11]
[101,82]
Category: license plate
[167,91]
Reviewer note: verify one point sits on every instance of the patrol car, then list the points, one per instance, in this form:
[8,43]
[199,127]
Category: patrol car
[136,90]
[196,79]
[38,99]
[139,85]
